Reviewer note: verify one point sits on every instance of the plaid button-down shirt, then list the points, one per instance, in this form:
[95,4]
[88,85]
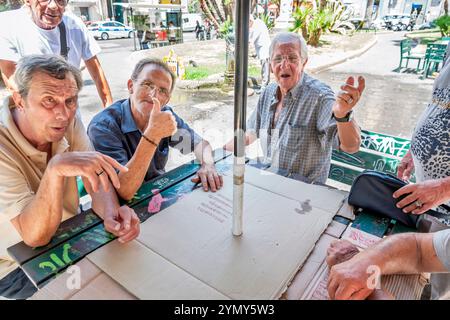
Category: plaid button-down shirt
[305,132]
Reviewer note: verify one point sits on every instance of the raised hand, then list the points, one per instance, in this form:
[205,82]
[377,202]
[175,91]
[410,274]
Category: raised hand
[161,124]
[349,96]
[95,169]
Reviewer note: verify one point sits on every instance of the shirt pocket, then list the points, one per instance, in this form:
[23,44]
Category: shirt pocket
[294,137]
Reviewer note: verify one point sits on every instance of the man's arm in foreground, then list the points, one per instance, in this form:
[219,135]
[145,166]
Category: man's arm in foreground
[40,219]
[409,253]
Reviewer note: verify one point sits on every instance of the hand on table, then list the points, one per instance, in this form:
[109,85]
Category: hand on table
[209,178]
[124,224]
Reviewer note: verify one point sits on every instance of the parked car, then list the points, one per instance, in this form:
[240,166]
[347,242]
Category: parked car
[426,25]
[378,24]
[398,22]
[110,29]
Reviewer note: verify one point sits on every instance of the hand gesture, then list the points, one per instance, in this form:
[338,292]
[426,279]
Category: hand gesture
[349,96]
[96,169]
[124,224]
[161,124]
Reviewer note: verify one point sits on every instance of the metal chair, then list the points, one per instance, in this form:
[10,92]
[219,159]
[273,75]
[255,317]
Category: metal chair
[405,54]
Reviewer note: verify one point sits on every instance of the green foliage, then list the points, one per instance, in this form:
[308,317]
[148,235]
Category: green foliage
[194,6]
[196,73]
[254,71]
[202,72]
[301,16]
[311,22]
[318,24]
[4,7]
[268,21]
[443,22]
[225,28]
[140,22]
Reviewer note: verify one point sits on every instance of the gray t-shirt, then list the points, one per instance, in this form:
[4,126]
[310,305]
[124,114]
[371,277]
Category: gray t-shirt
[440,282]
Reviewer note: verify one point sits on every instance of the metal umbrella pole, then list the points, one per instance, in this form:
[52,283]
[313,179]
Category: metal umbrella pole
[240,106]
[132,26]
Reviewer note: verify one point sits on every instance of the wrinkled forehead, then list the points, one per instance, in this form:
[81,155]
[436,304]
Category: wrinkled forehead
[43,82]
[153,73]
[286,48]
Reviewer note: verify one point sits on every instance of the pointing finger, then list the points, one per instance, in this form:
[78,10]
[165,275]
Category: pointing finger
[350,81]
[361,84]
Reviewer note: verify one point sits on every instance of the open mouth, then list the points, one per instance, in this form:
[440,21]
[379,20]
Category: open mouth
[285,76]
[59,129]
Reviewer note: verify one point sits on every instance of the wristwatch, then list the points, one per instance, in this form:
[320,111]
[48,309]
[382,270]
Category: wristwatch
[348,117]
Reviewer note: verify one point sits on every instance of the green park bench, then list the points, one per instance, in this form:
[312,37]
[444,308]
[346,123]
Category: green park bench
[378,151]
[406,53]
[434,56]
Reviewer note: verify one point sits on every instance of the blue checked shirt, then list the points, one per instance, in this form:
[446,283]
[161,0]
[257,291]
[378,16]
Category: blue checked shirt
[305,133]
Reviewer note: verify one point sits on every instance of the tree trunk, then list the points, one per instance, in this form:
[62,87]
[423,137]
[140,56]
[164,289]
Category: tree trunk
[213,11]
[446,7]
[253,6]
[228,8]
[322,4]
[369,13]
[216,7]
[208,13]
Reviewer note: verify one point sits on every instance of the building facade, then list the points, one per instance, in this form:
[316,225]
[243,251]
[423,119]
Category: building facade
[89,10]
[426,10]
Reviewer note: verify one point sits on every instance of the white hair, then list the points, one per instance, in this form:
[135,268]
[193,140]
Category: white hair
[290,37]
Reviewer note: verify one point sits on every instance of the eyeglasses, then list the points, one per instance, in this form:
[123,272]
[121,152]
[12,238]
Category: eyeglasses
[292,59]
[60,3]
[150,86]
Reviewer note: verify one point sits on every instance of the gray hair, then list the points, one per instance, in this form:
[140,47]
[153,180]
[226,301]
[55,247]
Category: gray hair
[53,65]
[290,37]
[156,62]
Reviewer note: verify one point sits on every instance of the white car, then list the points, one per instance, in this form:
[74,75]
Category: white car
[109,29]
[190,21]
[378,24]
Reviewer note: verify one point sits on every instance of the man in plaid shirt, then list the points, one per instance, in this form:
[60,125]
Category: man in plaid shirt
[299,119]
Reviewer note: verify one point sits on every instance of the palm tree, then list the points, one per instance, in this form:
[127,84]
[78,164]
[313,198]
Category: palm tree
[220,11]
